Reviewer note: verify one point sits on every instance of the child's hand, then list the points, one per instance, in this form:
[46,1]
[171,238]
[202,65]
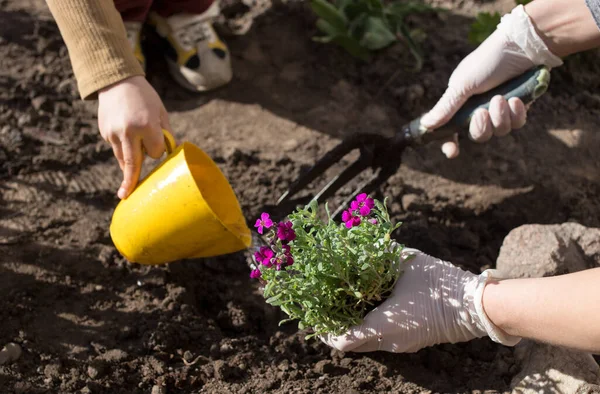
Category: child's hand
[131,115]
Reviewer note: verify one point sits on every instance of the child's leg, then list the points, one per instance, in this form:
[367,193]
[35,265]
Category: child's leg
[197,58]
[133,10]
[134,13]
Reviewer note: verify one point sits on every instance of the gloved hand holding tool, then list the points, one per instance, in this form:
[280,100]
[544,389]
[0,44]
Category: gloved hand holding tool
[385,154]
[487,94]
[511,50]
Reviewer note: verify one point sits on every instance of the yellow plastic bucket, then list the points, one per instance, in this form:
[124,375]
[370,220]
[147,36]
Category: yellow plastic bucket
[185,208]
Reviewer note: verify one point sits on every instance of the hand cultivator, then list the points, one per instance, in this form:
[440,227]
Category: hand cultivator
[384,154]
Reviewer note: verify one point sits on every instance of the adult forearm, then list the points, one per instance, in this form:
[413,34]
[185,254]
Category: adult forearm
[562,310]
[566,26]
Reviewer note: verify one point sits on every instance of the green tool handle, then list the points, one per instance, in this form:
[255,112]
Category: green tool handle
[528,87]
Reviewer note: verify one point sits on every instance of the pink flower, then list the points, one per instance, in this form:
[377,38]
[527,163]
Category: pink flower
[264,256]
[289,259]
[346,215]
[373,221]
[349,219]
[285,232]
[255,274]
[264,222]
[363,204]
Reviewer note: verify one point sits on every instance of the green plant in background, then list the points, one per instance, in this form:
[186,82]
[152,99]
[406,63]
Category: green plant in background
[485,24]
[364,26]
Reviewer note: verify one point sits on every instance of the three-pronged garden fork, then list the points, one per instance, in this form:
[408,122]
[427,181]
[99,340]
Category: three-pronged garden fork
[384,154]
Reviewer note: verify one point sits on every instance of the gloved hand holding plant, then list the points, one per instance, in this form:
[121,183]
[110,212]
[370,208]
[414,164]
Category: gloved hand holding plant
[329,275]
[361,291]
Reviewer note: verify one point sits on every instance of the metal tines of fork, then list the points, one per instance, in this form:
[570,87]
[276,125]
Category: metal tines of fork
[376,151]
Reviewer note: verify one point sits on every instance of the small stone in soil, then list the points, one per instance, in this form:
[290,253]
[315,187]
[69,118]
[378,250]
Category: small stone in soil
[95,370]
[11,352]
[225,348]
[284,365]
[323,367]
[383,370]
[408,200]
[222,370]
[40,102]
[188,356]
[22,388]
[345,362]
[114,355]
[156,389]
[52,371]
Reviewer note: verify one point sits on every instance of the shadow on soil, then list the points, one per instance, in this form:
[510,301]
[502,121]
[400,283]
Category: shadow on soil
[90,301]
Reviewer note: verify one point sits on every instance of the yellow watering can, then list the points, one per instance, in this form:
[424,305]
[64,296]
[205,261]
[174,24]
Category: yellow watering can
[185,208]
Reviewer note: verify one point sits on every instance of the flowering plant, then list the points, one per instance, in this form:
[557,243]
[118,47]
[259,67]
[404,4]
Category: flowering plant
[328,275]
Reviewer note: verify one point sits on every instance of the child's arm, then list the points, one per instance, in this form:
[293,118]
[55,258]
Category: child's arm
[98,48]
[130,112]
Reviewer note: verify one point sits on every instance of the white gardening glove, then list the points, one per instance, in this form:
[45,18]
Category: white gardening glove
[433,302]
[512,49]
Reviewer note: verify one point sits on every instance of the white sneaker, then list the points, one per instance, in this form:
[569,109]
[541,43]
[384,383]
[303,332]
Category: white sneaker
[197,58]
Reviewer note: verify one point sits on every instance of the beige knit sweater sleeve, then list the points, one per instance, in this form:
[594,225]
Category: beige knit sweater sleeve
[97,43]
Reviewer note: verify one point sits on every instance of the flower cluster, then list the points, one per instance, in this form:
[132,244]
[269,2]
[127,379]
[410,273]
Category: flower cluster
[359,208]
[278,254]
[340,271]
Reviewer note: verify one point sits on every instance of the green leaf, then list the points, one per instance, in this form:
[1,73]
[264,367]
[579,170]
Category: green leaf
[273,300]
[357,26]
[483,27]
[356,10]
[269,288]
[402,9]
[375,5]
[342,4]
[313,205]
[330,14]
[365,266]
[523,2]
[376,35]
[353,47]
[414,49]
[328,29]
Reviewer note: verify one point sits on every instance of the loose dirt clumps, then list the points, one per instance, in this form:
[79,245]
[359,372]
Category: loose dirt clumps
[89,322]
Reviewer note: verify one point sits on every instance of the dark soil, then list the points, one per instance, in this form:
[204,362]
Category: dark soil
[89,322]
